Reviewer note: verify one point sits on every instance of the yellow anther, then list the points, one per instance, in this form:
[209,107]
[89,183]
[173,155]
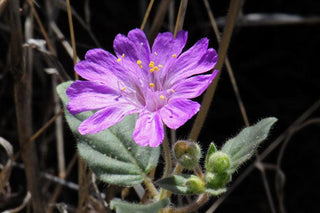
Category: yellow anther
[172,90]
[160,65]
[151,64]
[119,59]
[156,68]
[174,55]
[139,62]
[151,85]
[124,88]
[122,55]
[155,53]
[152,70]
[140,66]
[162,97]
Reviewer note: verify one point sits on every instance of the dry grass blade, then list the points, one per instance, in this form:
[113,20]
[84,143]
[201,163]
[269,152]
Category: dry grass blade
[228,66]
[159,18]
[26,200]
[73,40]
[146,15]
[265,153]
[22,90]
[6,169]
[180,17]
[205,105]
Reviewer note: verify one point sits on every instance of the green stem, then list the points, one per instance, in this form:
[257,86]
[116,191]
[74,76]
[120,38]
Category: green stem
[168,163]
[151,188]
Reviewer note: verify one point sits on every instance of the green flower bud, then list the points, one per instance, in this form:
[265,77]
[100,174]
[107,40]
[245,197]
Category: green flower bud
[187,153]
[217,181]
[195,185]
[219,162]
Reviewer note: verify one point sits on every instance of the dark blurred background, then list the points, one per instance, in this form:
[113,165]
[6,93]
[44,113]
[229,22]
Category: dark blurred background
[275,63]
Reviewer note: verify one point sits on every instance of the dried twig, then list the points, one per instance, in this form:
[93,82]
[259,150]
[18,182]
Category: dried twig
[228,65]
[22,88]
[159,18]
[265,153]
[205,105]
[146,15]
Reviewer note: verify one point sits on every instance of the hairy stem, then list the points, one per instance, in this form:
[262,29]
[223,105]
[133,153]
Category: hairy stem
[168,163]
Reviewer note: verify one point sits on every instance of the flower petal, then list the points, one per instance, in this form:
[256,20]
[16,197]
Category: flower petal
[148,130]
[102,65]
[196,60]
[162,48]
[95,72]
[178,111]
[88,95]
[180,41]
[140,40]
[193,86]
[126,50]
[105,118]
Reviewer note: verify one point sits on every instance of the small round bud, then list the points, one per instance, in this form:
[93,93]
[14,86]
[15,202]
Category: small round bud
[219,162]
[195,185]
[217,181]
[187,153]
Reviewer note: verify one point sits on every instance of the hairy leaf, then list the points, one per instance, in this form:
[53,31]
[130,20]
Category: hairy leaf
[112,154]
[243,146]
[176,184]
[125,207]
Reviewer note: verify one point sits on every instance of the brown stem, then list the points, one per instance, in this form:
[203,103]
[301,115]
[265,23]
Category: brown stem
[158,20]
[228,65]
[205,105]
[146,15]
[180,17]
[23,91]
[202,199]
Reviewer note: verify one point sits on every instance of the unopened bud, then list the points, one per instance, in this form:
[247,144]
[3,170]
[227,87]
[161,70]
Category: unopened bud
[195,185]
[217,181]
[187,153]
[219,162]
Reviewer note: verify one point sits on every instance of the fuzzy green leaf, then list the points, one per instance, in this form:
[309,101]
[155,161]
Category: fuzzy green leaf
[112,154]
[212,149]
[243,146]
[125,207]
[216,192]
[177,184]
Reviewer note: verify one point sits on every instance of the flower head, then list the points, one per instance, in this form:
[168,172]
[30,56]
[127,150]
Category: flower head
[156,82]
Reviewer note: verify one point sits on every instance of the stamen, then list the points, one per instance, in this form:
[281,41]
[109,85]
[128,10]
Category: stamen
[156,68]
[152,70]
[151,64]
[160,65]
[122,55]
[174,55]
[172,90]
[151,85]
[124,88]
[139,63]
[119,59]
[155,53]
[162,97]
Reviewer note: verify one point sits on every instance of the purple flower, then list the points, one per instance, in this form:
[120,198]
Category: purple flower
[156,82]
